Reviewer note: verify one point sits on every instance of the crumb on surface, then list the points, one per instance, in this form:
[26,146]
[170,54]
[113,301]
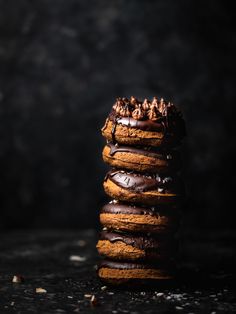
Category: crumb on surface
[18,279]
[94,301]
[40,290]
[77,258]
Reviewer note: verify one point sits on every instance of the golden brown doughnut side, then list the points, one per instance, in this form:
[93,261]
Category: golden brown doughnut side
[131,136]
[119,250]
[136,162]
[148,198]
[139,223]
[121,276]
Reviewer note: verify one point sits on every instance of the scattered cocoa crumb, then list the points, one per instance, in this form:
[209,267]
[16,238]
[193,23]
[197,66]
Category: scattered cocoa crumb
[40,290]
[81,243]
[94,301]
[18,279]
[77,258]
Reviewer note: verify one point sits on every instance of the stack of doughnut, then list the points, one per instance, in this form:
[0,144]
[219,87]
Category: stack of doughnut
[139,223]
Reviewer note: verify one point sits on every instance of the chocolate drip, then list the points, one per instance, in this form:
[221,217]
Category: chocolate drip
[129,149]
[138,241]
[113,130]
[172,157]
[145,125]
[142,183]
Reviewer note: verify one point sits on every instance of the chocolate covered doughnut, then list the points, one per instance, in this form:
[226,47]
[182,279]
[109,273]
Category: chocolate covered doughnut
[128,217]
[140,188]
[135,247]
[117,273]
[146,123]
[141,159]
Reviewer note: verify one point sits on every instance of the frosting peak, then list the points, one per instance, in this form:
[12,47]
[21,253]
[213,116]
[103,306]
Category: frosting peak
[145,110]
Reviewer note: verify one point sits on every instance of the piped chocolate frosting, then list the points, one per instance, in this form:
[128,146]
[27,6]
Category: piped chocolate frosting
[147,151]
[155,116]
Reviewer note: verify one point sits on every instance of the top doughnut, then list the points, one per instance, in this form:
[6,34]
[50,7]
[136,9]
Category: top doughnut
[146,123]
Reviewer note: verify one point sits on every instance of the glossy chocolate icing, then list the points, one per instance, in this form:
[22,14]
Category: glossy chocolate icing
[119,208]
[145,125]
[124,265]
[114,148]
[142,183]
[139,241]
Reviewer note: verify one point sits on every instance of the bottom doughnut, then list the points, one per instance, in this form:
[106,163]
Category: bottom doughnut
[118,273]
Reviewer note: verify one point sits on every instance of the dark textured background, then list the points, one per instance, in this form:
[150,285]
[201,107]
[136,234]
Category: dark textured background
[62,63]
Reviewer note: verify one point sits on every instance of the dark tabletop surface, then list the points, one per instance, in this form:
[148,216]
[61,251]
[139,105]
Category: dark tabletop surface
[63,263]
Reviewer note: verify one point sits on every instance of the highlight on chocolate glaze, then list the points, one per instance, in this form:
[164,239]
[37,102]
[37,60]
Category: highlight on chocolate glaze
[144,182]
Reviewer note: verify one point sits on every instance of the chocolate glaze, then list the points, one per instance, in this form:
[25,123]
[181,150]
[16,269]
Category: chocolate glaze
[139,241]
[172,157]
[113,130]
[119,208]
[142,183]
[170,123]
[118,265]
[145,125]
